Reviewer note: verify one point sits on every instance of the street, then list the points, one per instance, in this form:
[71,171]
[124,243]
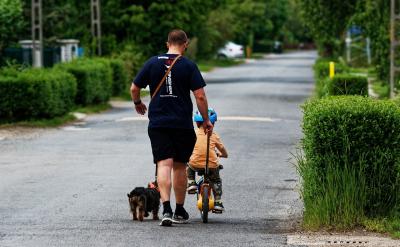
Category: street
[68,186]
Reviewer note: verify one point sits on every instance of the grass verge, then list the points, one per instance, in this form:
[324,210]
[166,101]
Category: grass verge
[90,109]
[41,123]
[57,121]
[208,65]
[257,55]
[126,95]
[384,225]
[381,89]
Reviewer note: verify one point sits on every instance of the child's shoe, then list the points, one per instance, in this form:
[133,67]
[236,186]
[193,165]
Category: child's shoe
[218,207]
[192,187]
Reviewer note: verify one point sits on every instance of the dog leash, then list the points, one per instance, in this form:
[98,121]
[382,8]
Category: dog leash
[207,152]
[154,94]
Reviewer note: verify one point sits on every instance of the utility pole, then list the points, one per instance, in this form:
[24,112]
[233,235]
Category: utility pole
[348,47]
[37,34]
[394,43]
[368,50]
[96,23]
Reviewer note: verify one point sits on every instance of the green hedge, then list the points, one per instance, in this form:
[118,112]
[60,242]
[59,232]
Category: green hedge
[344,84]
[351,162]
[36,93]
[94,78]
[119,74]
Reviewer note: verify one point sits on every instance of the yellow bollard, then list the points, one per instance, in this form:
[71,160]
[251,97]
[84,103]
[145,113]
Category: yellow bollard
[331,69]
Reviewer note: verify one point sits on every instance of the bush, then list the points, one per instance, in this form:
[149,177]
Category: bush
[119,74]
[351,162]
[342,84]
[133,59]
[322,87]
[345,84]
[36,93]
[94,78]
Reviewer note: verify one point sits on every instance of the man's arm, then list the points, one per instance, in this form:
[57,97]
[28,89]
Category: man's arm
[135,94]
[202,105]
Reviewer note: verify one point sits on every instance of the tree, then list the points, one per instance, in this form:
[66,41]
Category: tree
[215,32]
[62,20]
[327,21]
[147,23]
[277,12]
[11,22]
[373,16]
[250,20]
[294,29]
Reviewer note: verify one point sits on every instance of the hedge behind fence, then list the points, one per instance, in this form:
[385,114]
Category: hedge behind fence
[36,93]
[94,78]
[351,164]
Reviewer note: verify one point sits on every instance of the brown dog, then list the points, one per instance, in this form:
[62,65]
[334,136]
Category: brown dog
[144,200]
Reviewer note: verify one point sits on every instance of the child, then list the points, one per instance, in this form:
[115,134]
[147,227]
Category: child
[198,159]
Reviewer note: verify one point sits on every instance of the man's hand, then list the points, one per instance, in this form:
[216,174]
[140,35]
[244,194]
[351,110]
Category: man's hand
[208,127]
[141,108]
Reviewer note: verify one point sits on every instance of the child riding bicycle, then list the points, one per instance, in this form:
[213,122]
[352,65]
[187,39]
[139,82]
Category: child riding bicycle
[198,159]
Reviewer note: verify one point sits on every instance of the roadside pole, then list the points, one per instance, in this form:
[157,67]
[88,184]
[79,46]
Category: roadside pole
[37,34]
[96,24]
[393,44]
[368,50]
[331,70]
[348,47]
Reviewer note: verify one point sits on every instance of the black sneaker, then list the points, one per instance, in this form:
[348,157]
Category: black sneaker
[192,187]
[218,207]
[166,219]
[181,217]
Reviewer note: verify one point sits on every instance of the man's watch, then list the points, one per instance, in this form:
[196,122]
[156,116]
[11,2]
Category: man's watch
[137,102]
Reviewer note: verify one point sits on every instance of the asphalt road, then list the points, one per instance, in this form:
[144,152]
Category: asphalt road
[67,186]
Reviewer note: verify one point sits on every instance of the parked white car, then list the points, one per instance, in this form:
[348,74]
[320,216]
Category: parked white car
[231,50]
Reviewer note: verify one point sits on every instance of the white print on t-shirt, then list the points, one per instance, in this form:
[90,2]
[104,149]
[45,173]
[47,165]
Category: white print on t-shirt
[168,82]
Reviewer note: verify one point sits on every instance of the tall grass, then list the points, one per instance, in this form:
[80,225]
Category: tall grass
[336,198]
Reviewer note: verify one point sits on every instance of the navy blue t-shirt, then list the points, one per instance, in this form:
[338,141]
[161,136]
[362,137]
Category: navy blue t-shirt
[172,106]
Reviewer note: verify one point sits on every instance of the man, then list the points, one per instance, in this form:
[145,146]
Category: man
[170,128]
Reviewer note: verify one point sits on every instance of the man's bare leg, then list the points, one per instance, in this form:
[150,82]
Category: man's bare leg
[164,178]
[179,181]
[179,184]
[164,184]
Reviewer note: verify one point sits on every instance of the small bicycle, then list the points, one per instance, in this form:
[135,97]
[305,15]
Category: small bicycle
[205,199]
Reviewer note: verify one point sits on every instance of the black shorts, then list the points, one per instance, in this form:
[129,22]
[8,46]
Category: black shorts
[172,143]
